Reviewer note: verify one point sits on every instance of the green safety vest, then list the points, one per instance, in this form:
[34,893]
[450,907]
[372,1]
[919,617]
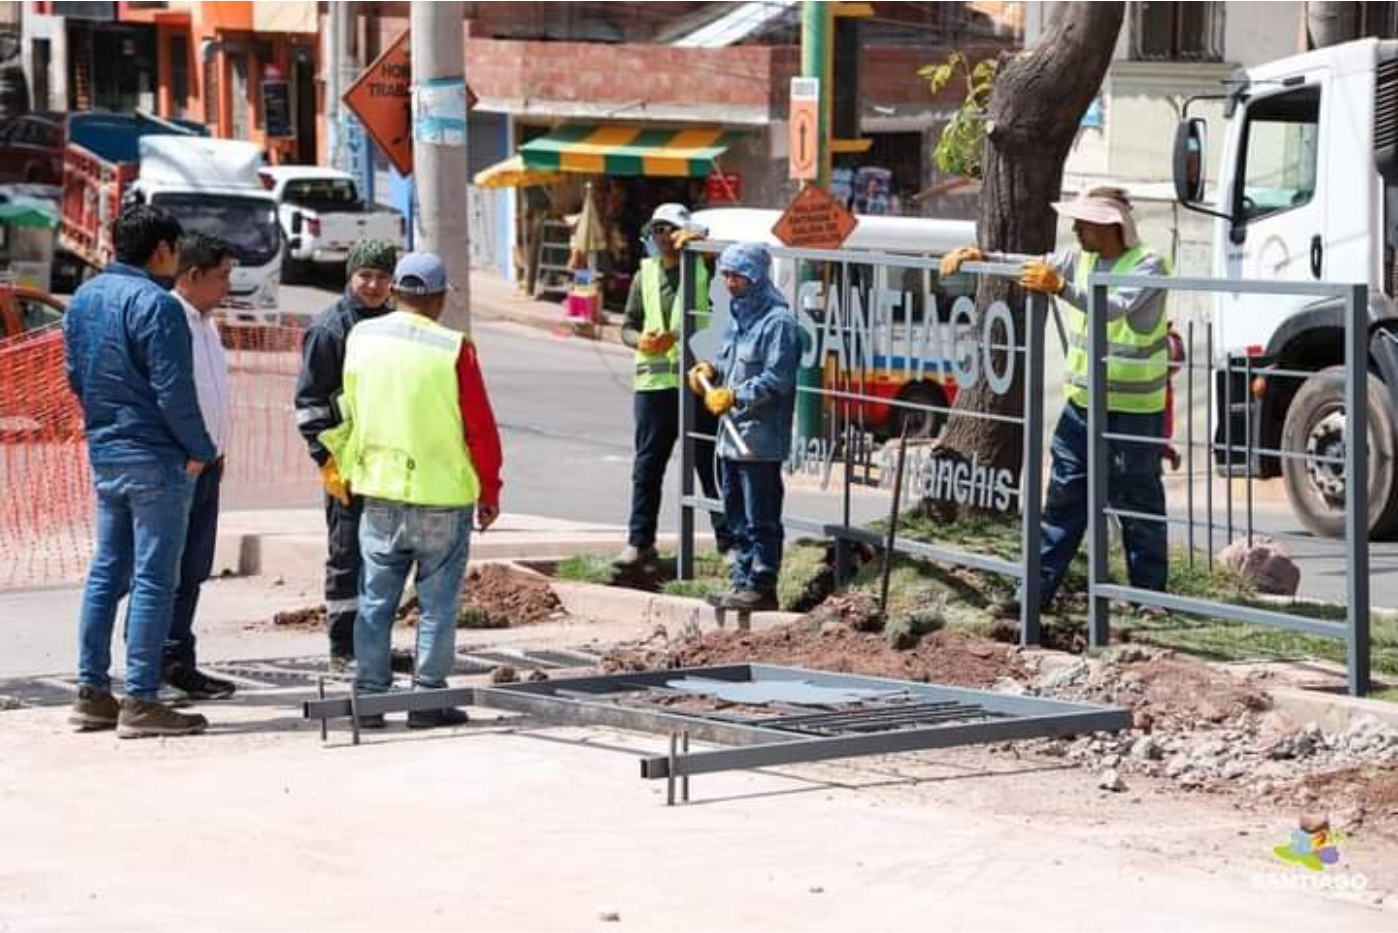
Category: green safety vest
[655,372]
[1139,364]
[402,437]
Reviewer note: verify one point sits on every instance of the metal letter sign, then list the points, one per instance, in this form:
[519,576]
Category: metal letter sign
[804,156]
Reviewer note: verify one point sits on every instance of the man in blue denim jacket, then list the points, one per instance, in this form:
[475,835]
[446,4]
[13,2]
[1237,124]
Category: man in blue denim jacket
[129,361]
[752,387]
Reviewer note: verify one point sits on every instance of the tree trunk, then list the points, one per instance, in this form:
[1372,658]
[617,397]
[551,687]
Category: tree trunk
[1331,23]
[1039,99]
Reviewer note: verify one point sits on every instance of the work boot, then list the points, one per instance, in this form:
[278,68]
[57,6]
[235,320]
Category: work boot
[143,718]
[196,685]
[719,598]
[752,601]
[435,718]
[94,710]
[632,557]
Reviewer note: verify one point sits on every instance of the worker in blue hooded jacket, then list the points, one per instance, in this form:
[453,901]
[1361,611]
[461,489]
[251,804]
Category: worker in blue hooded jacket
[752,386]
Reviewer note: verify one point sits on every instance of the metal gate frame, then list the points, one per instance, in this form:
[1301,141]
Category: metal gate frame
[935,717]
[1030,493]
[1355,632]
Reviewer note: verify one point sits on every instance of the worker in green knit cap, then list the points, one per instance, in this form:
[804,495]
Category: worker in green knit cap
[370,276]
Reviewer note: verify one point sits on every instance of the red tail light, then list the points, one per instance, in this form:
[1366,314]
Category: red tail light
[268,182]
[313,226]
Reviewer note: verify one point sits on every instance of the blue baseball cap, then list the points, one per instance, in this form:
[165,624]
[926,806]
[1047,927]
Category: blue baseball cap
[420,274]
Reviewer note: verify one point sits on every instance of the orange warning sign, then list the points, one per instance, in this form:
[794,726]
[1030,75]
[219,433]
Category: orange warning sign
[814,220]
[382,100]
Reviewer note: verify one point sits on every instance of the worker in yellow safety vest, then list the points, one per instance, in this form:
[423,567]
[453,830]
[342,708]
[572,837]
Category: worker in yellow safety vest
[1137,373]
[653,324]
[418,443]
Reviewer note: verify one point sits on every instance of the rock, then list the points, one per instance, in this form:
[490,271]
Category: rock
[1146,749]
[1111,761]
[817,889]
[1008,685]
[1232,770]
[1066,675]
[831,628]
[1177,765]
[504,674]
[1266,565]
[1111,780]
[609,916]
[1143,720]
[537,676]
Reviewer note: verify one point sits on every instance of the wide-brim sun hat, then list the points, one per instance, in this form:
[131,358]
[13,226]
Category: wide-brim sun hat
[1103,206]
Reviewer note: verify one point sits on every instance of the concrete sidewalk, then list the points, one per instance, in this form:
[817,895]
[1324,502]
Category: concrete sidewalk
[494,299]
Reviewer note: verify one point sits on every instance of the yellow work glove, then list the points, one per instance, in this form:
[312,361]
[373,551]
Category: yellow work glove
[951,262]
[695,384]
[719,401]
[335,484]
[680,237]
[1039,276]
[655,342]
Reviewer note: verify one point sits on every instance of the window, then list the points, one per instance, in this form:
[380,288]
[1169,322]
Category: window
[35,314]
[178,51]
[322,193]
[1280,154]
[1177,32]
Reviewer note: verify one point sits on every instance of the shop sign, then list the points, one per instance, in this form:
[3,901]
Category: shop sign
[276,109]
[724,188]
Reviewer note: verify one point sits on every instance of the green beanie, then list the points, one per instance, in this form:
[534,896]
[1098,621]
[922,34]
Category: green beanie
[371,254]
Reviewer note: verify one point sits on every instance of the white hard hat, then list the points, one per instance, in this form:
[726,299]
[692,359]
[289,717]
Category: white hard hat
[676,215]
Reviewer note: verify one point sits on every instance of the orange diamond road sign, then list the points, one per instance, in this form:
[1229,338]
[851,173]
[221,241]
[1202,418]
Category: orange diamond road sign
[382,99]
[814,220]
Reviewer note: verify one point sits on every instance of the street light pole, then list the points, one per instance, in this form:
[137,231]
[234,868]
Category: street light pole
[439,147]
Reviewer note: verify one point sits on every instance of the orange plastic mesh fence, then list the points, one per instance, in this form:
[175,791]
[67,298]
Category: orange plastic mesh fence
[46,498]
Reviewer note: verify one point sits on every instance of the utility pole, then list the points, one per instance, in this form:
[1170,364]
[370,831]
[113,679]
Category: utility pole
[330,68]
[815,63]
[439,147]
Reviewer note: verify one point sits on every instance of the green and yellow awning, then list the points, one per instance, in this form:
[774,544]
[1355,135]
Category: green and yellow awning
[626,150]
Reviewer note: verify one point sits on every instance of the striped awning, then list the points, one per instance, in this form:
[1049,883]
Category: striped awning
[626,150]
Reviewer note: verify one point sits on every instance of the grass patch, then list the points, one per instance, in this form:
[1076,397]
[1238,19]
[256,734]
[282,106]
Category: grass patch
[586,568]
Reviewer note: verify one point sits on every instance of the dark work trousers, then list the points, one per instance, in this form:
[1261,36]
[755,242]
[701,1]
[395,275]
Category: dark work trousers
[343,564]
[1133,485]
[195,566]
[657,416]
[752,499]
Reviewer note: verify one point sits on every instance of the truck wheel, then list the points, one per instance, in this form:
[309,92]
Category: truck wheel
[1315,425]
[919,423]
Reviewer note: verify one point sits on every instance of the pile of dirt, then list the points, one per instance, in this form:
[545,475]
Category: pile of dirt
[943,657]
[494,596]
[510,597]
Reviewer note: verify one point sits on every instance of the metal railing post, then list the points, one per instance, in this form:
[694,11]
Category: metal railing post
[684,562]
[1098,608]
[1032,479]
[1357,474]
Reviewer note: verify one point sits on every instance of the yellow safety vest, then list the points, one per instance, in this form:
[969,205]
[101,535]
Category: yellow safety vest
[662,371]
[1139,364]
[402,438]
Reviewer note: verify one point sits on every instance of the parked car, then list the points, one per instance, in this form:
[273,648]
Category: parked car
[322,216]
[31,149]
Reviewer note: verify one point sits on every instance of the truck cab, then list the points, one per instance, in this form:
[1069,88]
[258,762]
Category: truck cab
[322,215]
[1308,192]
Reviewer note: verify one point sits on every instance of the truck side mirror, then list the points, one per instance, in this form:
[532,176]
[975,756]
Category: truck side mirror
[1190,141]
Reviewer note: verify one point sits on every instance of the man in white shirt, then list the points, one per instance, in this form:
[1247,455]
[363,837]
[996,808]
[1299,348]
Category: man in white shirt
[201,284]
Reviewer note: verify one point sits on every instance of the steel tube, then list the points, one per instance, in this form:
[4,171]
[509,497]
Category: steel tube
[1225,611]
[1357,487]
[1098,608]
[1031,486]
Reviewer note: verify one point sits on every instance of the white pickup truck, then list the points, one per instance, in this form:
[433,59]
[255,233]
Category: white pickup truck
[322,216]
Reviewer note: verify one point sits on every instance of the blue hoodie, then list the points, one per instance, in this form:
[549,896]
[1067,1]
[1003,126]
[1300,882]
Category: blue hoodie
[129,361]
[759,358]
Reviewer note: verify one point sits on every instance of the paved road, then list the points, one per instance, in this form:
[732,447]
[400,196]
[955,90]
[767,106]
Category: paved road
[564,409]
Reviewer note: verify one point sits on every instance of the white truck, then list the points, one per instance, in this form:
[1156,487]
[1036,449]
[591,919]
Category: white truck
[1308,192]
[210,185]
[322,216]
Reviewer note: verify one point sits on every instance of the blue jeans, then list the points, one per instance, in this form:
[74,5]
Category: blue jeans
[393,538]
[1133,484]
[752,504]
[142,517]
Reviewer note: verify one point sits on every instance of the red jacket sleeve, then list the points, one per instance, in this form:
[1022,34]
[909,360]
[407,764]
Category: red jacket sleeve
[482,436]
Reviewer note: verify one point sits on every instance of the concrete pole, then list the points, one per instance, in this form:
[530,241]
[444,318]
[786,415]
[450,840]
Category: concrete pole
[330,69]
[439,170]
